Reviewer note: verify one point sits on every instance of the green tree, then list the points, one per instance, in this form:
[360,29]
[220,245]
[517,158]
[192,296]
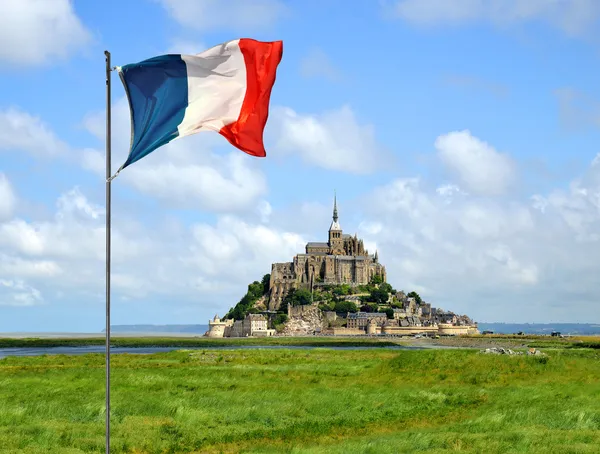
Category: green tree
[288,298]
[390,313]
[246,304]
[265,283]
[369,308]
[280,319]
[327,306]
[255,290]
[345,306]
[342,290]
[237,313]
[303,297]
[379,296]
[387,287]
[298,297]
[376,279]
[416,296]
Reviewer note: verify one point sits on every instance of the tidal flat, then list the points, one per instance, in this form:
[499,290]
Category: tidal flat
[304,401]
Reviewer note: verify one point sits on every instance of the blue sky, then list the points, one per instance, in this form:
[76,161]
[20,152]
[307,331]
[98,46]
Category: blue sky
[460,137]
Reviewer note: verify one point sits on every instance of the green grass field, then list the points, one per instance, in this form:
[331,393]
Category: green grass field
[309,341]
[304,401]
[196,342]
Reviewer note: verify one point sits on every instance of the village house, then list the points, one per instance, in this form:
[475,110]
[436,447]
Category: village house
[360,320]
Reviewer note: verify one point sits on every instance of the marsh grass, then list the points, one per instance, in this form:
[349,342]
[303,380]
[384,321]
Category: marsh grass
[508,340]
[195,342]
[304,401]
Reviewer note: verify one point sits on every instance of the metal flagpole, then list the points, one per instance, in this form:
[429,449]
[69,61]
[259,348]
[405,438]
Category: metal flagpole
[108,212]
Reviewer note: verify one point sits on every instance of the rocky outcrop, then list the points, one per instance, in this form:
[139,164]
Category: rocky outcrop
[303,321]
[508,351]
[261,303]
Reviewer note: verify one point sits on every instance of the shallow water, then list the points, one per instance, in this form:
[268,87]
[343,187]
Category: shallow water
[35,351]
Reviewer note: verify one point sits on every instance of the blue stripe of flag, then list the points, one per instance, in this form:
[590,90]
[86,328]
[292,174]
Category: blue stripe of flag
[157,91]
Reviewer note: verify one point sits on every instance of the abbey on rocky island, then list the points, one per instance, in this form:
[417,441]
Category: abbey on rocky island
[343,259]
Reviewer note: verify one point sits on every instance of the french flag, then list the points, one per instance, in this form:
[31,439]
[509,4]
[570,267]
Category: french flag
[225,89]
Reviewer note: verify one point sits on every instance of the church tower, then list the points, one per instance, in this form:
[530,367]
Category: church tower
[336,242]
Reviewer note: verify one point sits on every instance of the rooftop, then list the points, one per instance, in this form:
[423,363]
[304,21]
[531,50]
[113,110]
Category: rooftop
[357,315]
[352,257]
[317,244]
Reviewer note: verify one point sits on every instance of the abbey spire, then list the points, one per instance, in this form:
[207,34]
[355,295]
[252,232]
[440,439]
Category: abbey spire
[335,225]
[335,213]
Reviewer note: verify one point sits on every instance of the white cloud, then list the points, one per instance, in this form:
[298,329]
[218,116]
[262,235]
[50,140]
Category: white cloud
[184,173]
[26,268]
[478,165]
[94,161]
[227,184]
[449,192]
[371,228]
[264,211]
[75,233]
[189,47]
[317,64]
[20,130]
[494,258]
[34,32]
[200,265]
[333,140]
[237,15]
[18,293]
[218,249]
[573,17]
[7,198]
[69,235]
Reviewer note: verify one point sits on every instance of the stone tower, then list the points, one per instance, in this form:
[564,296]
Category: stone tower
[336,242]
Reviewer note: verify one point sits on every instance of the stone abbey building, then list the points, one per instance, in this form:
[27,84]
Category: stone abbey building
[341,260]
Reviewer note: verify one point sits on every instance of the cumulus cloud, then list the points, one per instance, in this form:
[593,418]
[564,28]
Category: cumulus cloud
[574,18]
[27,268]
[498,259]
[34,32]
[333,140]
[69,235]
[185,46]
[238,15]
[21,131]
[218,249]
[7,198]
[202,265]
[18,293]
[264,211]
[317,64]
[481,168]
